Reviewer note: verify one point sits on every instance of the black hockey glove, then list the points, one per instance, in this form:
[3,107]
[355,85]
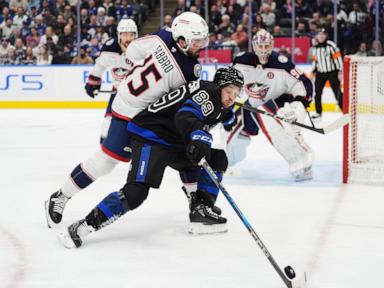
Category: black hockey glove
[199,146]
[230,120]
[93,84]
[303,100]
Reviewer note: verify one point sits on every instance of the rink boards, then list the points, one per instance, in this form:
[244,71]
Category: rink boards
[62,86]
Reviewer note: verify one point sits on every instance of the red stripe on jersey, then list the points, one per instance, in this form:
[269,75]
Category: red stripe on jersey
[114,113]
[114,155]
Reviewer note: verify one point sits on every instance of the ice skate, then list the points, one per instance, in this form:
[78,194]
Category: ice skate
[75,234]
[192,195]
[54,208]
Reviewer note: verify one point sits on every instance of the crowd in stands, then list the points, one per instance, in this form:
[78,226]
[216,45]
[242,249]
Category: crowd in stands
[44,31]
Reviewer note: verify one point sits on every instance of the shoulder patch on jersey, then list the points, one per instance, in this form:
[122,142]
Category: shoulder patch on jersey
[109,42]
[197,70]
[282,59]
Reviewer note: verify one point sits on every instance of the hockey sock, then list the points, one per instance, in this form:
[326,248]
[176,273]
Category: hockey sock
[205,182]
[189,178]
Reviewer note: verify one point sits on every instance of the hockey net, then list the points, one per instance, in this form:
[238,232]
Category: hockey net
[364,137]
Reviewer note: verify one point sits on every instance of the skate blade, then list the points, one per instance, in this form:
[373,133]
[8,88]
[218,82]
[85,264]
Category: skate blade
[65,240]
[207,229]
[50,223]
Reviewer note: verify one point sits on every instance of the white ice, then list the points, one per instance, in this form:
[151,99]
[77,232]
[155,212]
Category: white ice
[332,231]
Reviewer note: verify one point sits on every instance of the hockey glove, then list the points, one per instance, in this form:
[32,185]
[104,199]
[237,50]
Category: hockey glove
[230,120]
[93,85]
[199,146]
[305,100]
[287,113]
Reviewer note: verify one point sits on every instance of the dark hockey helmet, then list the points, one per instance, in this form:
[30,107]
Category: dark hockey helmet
[228,75]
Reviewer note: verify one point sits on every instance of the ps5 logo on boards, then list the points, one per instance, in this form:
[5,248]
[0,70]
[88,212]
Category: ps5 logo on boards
[27,82]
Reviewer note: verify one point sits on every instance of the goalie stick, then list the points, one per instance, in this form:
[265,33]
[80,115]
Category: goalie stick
[289,272]
[343,120]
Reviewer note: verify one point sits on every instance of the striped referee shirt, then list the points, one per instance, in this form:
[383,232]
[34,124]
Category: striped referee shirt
[326,57]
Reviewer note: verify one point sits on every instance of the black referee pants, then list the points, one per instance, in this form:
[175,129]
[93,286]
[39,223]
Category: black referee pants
[320,80]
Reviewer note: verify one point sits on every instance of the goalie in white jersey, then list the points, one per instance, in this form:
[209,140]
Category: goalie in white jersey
[273,81]
[159,63]
[113,56]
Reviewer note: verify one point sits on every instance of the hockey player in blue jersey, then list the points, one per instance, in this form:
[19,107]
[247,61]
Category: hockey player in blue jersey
[171,132]
[159,63]
[274,83]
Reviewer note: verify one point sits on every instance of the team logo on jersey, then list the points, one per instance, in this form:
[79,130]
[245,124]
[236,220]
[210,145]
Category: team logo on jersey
[282,59]
[197,70]
[270,75]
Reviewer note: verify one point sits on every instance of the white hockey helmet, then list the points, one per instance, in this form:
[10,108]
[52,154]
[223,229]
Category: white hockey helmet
[192,28]
[126,25]
[262,44]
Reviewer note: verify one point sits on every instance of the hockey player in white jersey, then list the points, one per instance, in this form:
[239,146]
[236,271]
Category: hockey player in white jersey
[159,63]
[273,83]
[112,55]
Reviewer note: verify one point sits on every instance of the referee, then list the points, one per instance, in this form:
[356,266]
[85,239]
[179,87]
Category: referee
[327,65]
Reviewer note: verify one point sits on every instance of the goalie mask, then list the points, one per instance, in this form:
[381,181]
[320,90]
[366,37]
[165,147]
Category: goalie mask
[193,29]
[228,75]
[262,44]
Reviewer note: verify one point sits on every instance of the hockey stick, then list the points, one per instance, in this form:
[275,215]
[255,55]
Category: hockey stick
[97,92]
[289,272]
[343,120]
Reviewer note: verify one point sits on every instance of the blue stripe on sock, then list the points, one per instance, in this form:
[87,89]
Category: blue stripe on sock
[207,184]
[143,163]
[80,177]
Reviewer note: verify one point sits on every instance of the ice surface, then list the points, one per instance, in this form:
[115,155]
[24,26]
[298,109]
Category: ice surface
[334,232]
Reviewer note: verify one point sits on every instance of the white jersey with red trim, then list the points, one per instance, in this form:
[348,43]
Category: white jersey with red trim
[277,77]
[112,57]
[158,68]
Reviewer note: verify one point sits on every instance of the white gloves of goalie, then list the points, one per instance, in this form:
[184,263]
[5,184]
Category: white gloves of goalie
[289,113]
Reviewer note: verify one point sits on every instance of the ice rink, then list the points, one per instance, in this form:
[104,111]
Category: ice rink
[332,231]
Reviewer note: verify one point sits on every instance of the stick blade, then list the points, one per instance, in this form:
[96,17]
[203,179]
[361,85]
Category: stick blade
[337,124]
[300,283]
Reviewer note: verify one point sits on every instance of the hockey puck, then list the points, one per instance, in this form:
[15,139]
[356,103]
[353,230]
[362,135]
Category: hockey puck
[289,272]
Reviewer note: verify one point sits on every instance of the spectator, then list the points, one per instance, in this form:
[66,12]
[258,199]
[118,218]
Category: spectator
[84,58]
[84,20]
[240,37]
[94,48]
[168,21]
[199,8]
[25,30]
[92,9]
[214,42]
[51,46]
[19,50]
[44,8]
[44,57]
[60,6]
[4,16]
[49,18]
[39,25]
[8,29]
[110,9]
[15,34]
[100,35]
[68,13]
[376,49]
[226,28]
[5,45]
[3,3]
[110,27]
[10,59]
[29,58]
[60,58]
[33,35]
[124,11]
[301,30]
[214,18]
[362,50]
[312,30]
[259,23]
[322,7]
[19,18]
[277,31]
[67,39]
[48,33]
[60,24]
[14,4]
[101,17]
[269,18]
[179,8]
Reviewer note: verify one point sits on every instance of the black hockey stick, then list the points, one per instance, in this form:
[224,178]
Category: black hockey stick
[97,92]
[289,272]
[343,120]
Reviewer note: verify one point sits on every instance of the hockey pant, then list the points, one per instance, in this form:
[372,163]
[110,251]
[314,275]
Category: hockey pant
[286,139]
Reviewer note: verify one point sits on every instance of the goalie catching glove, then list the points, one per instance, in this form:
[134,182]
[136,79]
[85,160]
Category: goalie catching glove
[199,146]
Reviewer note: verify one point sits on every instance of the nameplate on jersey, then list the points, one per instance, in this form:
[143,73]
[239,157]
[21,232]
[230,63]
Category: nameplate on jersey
[162,58]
